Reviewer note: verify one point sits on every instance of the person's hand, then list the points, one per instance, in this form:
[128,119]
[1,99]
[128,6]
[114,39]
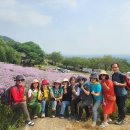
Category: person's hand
[65,87]
[24,98]
[92,92]
[74,91]
[104,84]
[116,83]
[82,87]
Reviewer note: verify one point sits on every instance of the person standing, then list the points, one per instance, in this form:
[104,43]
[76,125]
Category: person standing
[109,98]
[96,92]
[121,93]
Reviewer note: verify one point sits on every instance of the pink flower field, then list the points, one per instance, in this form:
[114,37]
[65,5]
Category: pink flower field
[9,71]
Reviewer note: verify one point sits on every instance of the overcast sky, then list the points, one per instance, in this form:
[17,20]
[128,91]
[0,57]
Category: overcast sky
[73,27]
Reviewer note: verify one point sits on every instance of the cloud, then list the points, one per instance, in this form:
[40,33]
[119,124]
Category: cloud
[59,3]
[125,15]
[71,3]
[15,12]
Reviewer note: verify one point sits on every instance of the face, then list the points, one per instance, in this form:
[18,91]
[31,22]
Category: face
[45,86]
[81,81]
[73,81]
[35,85]
[103,76]
[93,80]
[20,82]
[57,85]
[115,68]
[65,83]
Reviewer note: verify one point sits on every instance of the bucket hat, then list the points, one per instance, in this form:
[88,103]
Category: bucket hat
[19,77]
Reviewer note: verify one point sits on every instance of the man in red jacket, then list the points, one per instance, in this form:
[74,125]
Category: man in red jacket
[19,100]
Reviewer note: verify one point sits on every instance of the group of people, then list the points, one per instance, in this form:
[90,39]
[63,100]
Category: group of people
[70,97]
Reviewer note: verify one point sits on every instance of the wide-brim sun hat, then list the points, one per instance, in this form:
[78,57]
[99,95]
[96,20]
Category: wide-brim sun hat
[93,76]
[65,80]
[103,72]
[57,81]
[45,82]
[19,77]
[35,81]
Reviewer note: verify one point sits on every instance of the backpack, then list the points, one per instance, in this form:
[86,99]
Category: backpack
[127,82]
[5,96]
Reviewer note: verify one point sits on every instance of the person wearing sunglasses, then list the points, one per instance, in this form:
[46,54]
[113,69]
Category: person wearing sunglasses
[109,98]
[19,100]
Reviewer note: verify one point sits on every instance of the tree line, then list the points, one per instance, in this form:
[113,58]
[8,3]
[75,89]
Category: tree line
[31,54]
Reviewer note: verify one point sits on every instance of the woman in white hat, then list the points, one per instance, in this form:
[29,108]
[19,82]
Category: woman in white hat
[33,98]
[67,93]
[109,99]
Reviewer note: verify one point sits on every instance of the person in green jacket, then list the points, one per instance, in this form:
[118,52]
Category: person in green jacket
[33,99]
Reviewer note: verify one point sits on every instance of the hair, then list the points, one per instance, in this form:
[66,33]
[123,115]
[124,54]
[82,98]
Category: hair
[114,64]
[73,78]
[106,77]
[33,87]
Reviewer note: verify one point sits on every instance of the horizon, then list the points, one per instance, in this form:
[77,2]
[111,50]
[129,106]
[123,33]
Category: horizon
[85,27]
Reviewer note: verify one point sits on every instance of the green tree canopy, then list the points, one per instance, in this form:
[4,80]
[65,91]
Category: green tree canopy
[55,57]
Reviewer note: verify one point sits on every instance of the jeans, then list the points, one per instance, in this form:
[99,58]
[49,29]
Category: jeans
[64,104]
[54,104]
[43,106]
[121,106]
[95,110]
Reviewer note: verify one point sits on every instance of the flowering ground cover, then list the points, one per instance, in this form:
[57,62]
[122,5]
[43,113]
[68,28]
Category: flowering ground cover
[9,71]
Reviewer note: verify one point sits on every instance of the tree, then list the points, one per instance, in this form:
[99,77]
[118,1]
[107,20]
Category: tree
[33,54]
[55,57]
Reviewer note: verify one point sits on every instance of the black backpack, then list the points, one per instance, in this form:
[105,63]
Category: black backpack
[5,96]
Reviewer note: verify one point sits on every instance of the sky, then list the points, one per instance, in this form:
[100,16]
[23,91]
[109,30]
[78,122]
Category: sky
[72,27]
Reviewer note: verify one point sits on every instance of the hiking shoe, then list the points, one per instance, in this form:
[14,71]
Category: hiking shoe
[93,124]
[104,124]
[53,116]
[119,122]
[109,120]
[35,117]
[31,123]
[42,115]
[61,117]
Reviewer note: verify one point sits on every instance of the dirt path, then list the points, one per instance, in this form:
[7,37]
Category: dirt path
[64,124]
[49,124]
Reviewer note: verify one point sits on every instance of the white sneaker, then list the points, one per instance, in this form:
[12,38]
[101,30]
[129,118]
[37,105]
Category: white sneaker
[104,124]
[93,124]
[43,115]
[35,117]
[109,120]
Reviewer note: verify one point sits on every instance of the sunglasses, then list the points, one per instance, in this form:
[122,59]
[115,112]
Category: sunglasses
[20,80]
[103,75]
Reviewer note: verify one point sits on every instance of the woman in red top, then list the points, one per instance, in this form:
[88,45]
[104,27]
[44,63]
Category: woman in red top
[109,99]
